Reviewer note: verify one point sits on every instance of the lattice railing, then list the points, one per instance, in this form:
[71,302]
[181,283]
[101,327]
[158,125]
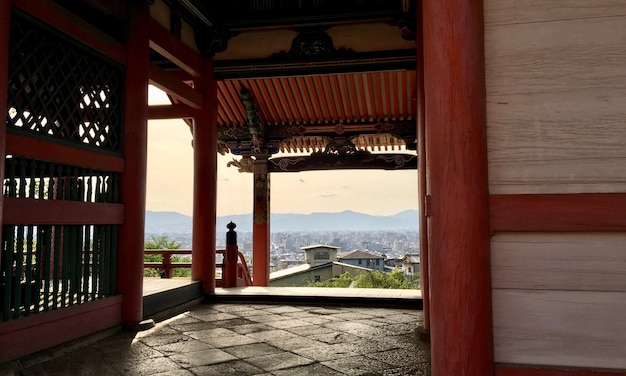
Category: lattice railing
[53,266]
[61,90]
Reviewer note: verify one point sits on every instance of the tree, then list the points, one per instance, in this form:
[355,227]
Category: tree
[372,279]
[163,242]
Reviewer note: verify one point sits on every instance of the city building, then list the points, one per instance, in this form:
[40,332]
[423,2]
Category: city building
[363,259]
[411,265]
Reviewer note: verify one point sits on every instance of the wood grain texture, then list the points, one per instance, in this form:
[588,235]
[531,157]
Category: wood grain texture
[556,85]
[506,12]
[509,370]
[456,162]
[593,261]
[560,328]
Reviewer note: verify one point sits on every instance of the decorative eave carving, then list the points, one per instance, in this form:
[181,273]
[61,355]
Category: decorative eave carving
[212,39]
[312,44]
[345,162]
[245,164]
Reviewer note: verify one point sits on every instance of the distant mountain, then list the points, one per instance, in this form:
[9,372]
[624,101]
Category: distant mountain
[172,222]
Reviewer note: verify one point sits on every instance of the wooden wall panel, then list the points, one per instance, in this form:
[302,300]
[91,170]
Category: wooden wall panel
[506,12]
[556,85]
[558,328]
[594,261]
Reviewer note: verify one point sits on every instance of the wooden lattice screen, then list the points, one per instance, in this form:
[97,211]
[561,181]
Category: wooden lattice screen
[60,91]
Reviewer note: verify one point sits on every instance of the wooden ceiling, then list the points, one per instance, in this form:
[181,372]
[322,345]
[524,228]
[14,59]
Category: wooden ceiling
[318,72]
[302,113]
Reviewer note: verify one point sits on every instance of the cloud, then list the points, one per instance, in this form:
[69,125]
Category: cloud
[327,195]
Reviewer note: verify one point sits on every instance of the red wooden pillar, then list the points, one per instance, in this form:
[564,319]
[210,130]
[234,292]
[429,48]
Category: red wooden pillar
[261,224]
[5,27]
[231,257]
[133,179]
[461,329]
[421,180]
[205,182]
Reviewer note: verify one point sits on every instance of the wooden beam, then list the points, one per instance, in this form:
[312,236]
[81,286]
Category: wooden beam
[22,211]
[174,111]
[502,370]
[558,212]
[173,49]
[65,21]
[43,150]
[42,331]
[461,325]
[345,162]
[168,82]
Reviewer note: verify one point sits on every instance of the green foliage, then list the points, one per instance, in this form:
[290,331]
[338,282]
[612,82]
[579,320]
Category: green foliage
[373,279]
[161,242]
[343,280]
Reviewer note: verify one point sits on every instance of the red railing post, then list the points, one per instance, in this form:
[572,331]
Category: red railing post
[229,272]
[167,264]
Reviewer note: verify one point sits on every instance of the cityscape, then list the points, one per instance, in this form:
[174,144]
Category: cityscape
[286,247]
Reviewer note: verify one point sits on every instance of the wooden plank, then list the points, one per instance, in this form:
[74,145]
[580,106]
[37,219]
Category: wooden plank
[560,328]
[60,212]
[592,261]
[77,28]
[44,150]
[509,370]
[579,54]
[558,212]
[506,12]
[174,111]
[555,106]
[173,49]
[167,82]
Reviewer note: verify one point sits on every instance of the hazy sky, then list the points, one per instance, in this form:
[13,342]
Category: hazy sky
[170,181]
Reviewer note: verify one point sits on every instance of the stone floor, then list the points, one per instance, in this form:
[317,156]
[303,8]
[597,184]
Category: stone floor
[255,339]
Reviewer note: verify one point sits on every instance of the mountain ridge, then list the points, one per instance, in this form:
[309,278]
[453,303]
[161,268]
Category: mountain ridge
[158,222]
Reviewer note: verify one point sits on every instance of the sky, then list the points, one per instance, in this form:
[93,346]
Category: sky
[170,181]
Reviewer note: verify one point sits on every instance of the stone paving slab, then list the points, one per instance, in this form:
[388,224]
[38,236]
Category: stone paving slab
[256,339]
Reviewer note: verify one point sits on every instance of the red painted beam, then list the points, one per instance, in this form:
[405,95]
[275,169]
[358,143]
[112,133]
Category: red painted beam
[65,21]
[461,325]
[515,371]
[133,180]
[205,183]
[28,335]
[5,27]
[55,212]
[558,212]
[173,49]
[44,150]
[174,111]
[170,84]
